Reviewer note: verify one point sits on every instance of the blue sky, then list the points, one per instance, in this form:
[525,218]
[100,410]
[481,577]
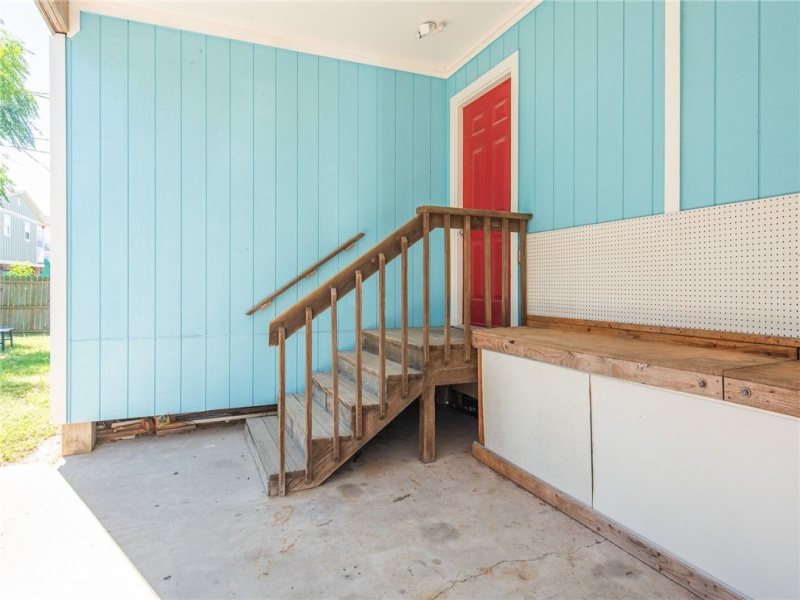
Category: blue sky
[30,172]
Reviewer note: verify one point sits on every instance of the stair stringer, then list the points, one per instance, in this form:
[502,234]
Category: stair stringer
[325,466]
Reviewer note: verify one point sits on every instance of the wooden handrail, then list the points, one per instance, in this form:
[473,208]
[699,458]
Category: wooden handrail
[305,274]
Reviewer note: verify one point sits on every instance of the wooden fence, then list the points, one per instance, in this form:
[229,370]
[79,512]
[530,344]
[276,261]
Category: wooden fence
[25,304]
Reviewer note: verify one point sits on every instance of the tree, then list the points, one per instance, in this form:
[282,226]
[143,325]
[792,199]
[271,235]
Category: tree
[18,108]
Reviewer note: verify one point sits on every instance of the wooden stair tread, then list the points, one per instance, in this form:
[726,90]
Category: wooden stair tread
[321,421]
[435,337]
[264,433]
[347,390]
[371,362]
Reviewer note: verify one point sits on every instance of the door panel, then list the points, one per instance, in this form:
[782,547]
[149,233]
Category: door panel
[487,186]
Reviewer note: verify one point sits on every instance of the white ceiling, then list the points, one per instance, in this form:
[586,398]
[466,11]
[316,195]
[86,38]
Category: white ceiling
[373,32]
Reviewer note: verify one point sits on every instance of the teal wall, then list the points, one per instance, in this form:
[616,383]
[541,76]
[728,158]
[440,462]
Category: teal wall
[203,173]
[740,101]
[591,109]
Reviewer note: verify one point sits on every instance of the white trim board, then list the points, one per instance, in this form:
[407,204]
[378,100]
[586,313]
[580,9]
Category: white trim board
[58,232]
[508,69]
[672,106]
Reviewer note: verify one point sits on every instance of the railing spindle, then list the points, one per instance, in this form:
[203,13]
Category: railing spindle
[523,274]
[382,340]
[487,271]
[426,286]
[467,289]
[359,358]
[404,294]
[309,402]
[335,372]
[447,289]
[281,412]
[504,281]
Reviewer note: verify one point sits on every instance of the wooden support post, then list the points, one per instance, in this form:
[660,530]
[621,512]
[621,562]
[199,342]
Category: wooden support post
[487,271]
[426,283]
[335,373]
[523,274]
[427,424]
[77,438]
[309,413]
[467,289]
[382,340]
[446,290]
[504,281]
[404,294]
[359,359]
[281,412]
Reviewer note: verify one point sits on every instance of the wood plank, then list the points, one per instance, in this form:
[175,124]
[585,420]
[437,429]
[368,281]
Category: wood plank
[680,332]
[683,574]
[309,371]
[470,212]
[77,438]
[382,332]
[404,295]
[335,372]
[672,366]
[467,292]
[55,14]
[785,401]
[784,374]
[281,412]
[359,361]
[487,273]
[427,425]
[426,285]
[447,289]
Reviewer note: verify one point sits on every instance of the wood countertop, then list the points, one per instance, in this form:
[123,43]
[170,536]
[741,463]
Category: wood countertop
[685,368]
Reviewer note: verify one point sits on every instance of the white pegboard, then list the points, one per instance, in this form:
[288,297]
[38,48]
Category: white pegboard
[734,267]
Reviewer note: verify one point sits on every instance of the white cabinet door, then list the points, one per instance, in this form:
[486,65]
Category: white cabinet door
[536,416]
[716,484]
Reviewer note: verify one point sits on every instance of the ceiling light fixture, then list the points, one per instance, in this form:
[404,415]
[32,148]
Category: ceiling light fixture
[428,28]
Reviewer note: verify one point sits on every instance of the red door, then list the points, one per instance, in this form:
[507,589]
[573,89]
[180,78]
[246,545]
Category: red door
[487,186]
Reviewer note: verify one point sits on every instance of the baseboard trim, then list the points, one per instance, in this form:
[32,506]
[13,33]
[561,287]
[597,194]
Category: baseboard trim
[684,575]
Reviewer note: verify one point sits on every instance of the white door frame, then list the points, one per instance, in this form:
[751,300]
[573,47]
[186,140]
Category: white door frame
[508,69]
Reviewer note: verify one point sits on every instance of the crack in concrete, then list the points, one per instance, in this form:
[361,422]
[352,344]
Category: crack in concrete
[486,571]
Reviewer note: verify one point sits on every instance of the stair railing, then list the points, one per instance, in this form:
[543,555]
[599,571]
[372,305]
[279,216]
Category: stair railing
[351,278]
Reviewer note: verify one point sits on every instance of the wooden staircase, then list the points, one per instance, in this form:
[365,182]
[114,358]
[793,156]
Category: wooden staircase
[315,433]
[262,432]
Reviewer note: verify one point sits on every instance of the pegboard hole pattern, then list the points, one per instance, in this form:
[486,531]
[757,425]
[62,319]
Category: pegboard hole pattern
[734,267]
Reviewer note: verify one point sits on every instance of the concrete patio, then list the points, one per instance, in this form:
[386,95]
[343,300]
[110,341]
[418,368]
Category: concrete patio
[190,513]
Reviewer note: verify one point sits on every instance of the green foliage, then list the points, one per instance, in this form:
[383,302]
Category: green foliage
[21,270]
[18,108]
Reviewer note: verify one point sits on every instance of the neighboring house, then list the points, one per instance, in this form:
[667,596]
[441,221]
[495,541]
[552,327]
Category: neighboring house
[23,227]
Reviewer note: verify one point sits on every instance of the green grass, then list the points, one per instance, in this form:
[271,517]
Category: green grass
[24,397]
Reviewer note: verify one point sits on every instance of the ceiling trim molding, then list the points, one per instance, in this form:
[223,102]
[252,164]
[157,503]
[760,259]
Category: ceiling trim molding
[151,15]
[491,36]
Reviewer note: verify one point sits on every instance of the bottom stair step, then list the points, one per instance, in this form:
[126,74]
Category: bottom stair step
[262,439]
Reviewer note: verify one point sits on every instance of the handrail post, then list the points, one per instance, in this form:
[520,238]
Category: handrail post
[487,271]
[404,294]
[467,288]
[504,281]
[382,339]
[309,402]
[281,412]
[426,283]
[447,290]
[523,273]
[335,372]
[359,374]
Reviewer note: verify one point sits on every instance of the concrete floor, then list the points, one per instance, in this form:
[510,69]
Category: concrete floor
[190,513]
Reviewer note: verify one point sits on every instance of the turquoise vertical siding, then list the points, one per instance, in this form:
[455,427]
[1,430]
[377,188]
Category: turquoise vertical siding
[591,109]
[740,101]
[203,173]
